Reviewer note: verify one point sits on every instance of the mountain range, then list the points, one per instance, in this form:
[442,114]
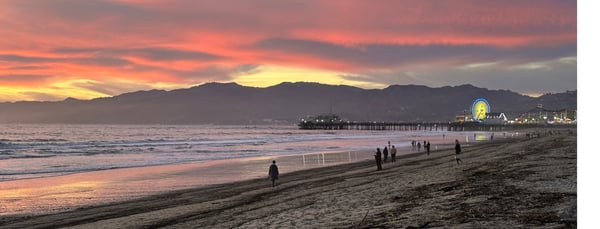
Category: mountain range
[230,103]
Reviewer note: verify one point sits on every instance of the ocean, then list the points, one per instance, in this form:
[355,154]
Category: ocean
[42,150]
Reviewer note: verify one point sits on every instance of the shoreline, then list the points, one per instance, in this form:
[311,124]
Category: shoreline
[55,194]
[22,166]
[344,194]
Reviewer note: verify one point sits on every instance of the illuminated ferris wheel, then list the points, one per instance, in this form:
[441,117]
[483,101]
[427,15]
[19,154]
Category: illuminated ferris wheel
[480,108]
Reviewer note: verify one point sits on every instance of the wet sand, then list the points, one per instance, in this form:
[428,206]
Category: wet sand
[68,192]
[506,183]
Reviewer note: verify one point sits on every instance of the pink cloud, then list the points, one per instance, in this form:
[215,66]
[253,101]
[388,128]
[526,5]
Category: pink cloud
[197,41]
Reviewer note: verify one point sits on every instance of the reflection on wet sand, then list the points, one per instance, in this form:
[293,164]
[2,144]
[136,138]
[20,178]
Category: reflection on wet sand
[61,193]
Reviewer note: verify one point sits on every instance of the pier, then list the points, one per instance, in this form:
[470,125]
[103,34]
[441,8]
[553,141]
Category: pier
[422,126]
[398,126]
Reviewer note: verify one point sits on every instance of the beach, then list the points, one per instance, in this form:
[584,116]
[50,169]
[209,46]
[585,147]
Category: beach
[46,169]
[521,182]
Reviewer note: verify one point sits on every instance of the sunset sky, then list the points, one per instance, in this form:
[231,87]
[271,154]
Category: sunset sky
[53,49]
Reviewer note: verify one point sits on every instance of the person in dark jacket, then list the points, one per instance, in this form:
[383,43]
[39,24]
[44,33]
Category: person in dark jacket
[378,159]
[428,147]
[393,153]
[385,154]
[273,173]
[457,151]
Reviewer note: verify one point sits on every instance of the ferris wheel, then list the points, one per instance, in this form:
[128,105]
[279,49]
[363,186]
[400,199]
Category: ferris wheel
[480,108]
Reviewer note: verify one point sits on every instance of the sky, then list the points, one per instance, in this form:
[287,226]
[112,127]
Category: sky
[54,49]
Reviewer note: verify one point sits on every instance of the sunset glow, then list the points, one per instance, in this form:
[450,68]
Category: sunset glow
[54,49]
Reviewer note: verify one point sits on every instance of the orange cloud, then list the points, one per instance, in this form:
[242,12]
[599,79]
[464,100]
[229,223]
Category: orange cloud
[187,42]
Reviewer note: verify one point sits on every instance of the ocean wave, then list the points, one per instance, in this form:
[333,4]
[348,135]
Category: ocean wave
[79,148]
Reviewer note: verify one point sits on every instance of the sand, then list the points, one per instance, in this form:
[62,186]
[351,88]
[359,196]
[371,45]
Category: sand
[506,183]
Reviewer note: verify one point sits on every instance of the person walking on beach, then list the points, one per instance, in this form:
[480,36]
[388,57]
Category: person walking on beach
[393,153]
[457,151]
[385,154]
[378,159]
[427,147]
[419,146]
[273,173]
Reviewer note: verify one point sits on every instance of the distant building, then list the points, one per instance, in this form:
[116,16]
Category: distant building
[544,116]
[460,118]
[495,118]
[327,121]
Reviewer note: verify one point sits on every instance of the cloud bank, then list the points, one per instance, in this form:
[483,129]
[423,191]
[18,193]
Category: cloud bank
[525,46]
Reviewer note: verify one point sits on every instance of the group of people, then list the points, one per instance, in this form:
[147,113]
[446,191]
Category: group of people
[385,153]
[426,145]
[274,171]
[417,145]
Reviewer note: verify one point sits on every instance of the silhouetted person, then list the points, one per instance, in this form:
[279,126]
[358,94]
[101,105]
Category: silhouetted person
[393,152]
[378,159]
[385,154]
[457,151]
[273,173]
[427,147]
[419,146]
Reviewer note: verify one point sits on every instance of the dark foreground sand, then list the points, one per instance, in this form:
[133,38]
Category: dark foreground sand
[521,183]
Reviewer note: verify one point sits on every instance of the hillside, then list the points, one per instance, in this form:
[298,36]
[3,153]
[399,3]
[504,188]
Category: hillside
[230,103]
